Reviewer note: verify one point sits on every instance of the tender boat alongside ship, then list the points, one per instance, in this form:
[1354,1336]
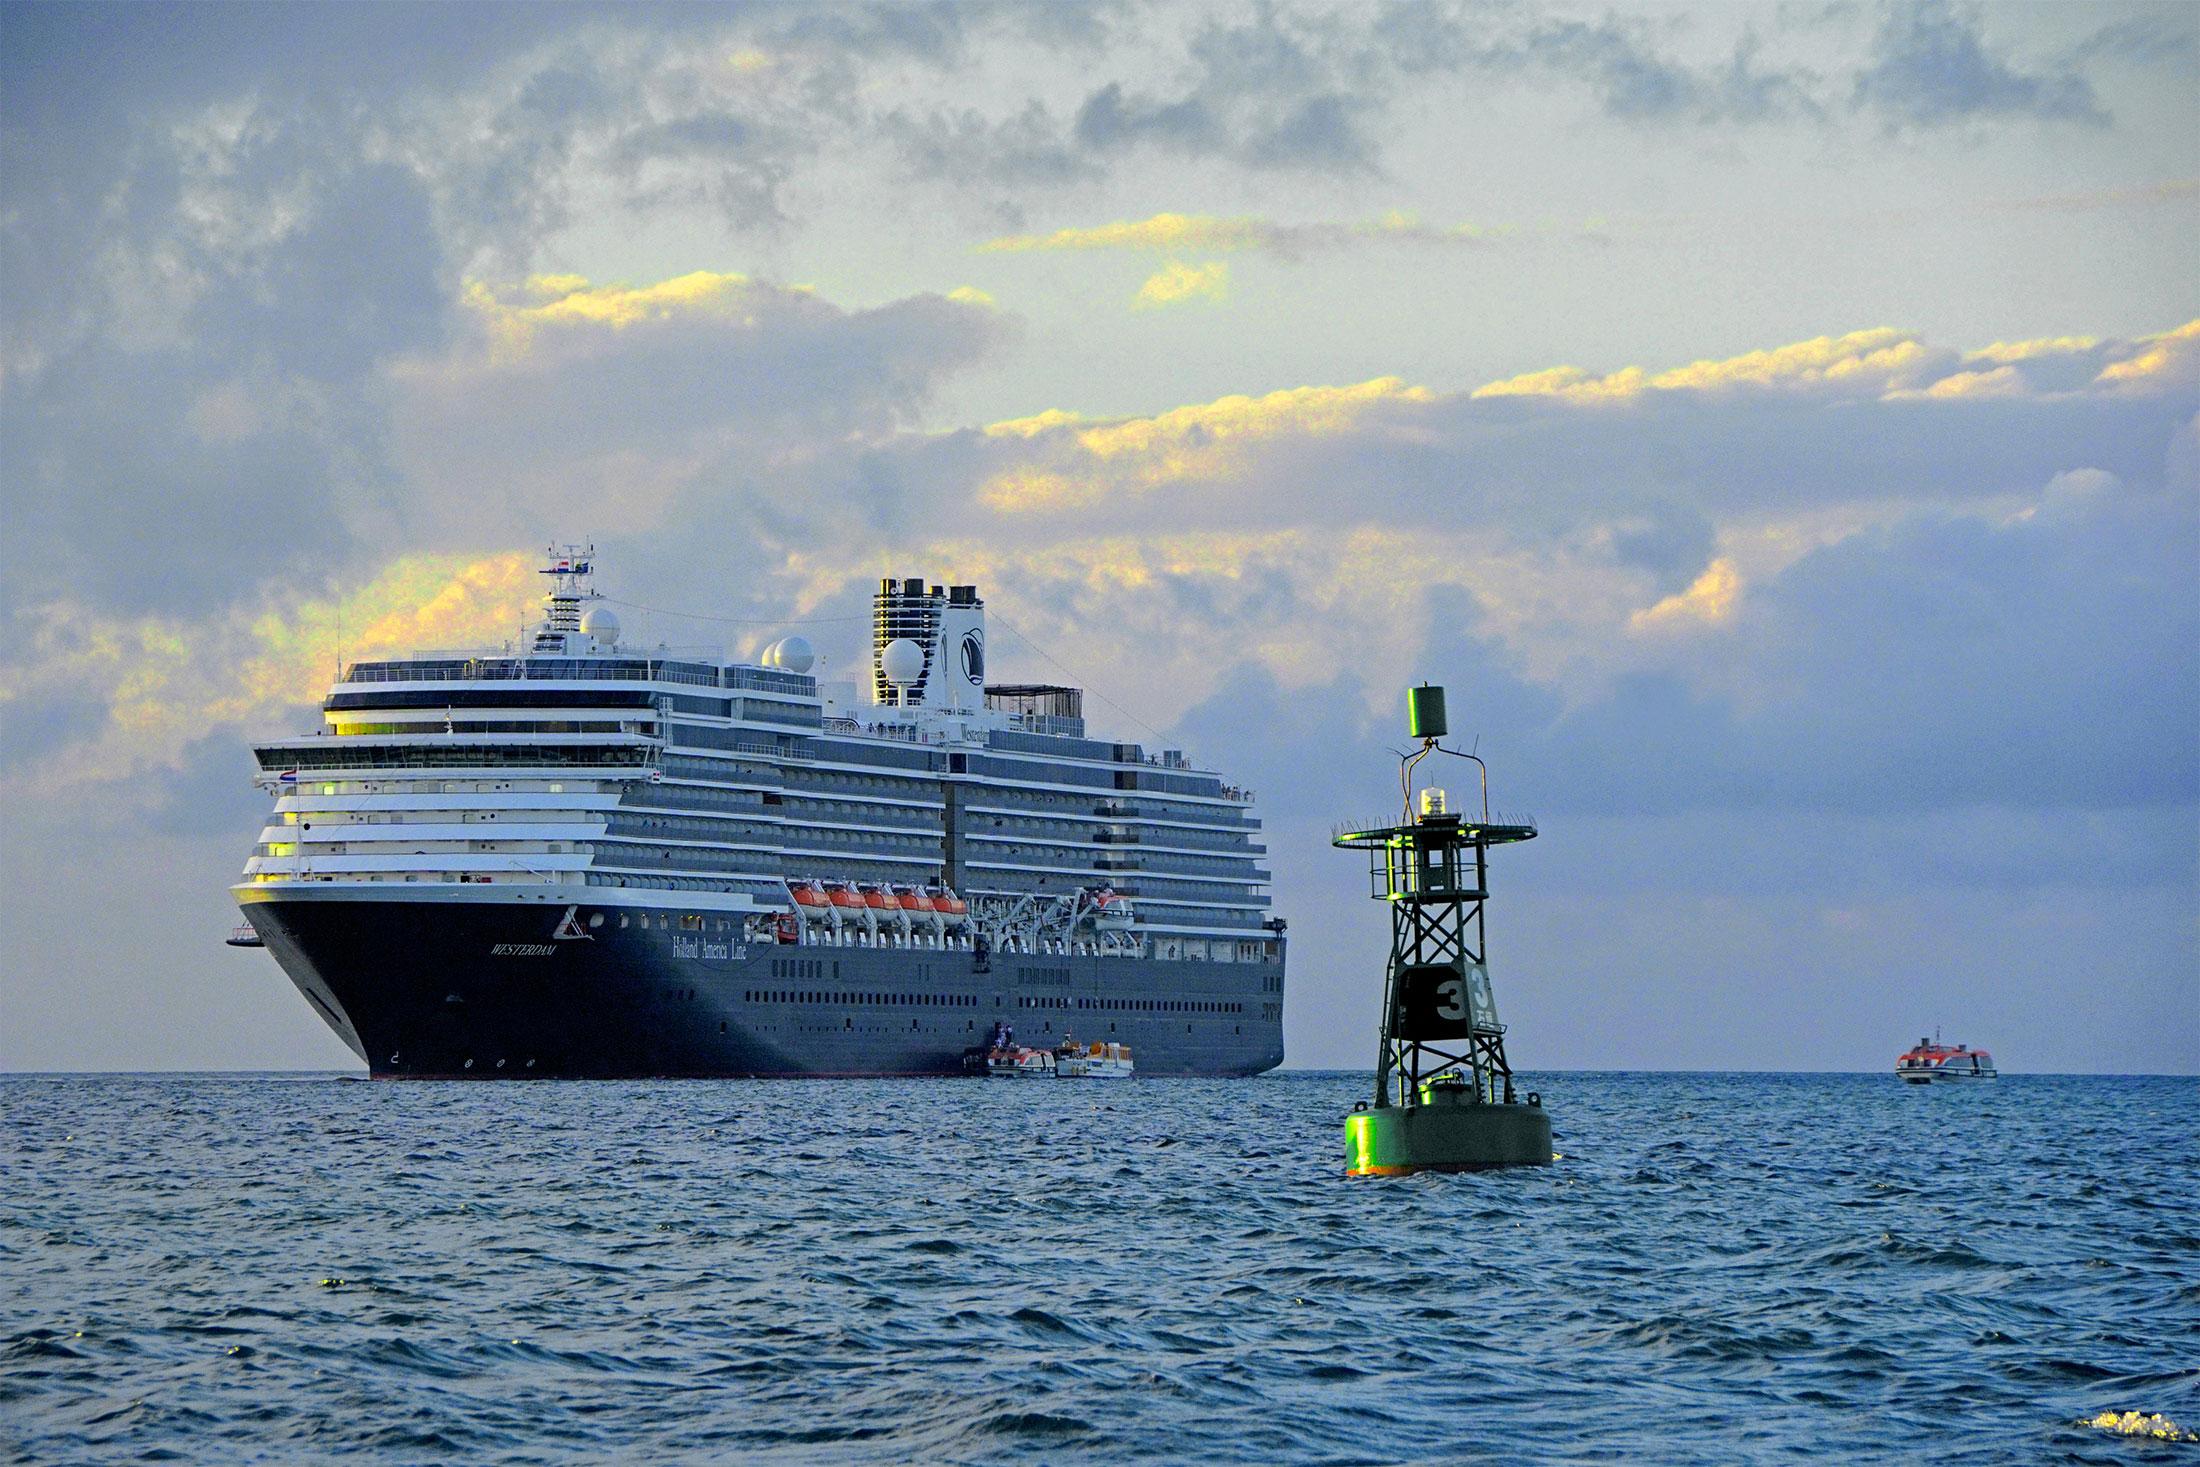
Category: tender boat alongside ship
[1073,1059]
[1094,1061]
[580,858]
[1932,1062]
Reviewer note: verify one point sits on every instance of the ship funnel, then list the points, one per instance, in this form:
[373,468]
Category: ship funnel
[945,627]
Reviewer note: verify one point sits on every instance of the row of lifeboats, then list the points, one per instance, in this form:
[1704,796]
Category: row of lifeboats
[874,907]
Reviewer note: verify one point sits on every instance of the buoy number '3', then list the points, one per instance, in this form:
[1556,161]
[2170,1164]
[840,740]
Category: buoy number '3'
[1453,995]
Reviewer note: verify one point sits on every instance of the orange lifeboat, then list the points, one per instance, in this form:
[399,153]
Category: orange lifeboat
[913,899]
[880,898]
[952,912]
[807,894]
[842,895]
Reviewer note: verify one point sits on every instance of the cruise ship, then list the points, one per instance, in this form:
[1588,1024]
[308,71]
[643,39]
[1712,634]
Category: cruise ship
[578,858]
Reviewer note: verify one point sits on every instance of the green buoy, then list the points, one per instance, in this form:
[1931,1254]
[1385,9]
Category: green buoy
[1444,1096]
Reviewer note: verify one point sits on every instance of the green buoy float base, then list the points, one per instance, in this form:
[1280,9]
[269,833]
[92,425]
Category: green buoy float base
[1397,1141]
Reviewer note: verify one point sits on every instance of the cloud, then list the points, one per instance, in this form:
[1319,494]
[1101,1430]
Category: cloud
[1710,600]
[1065,459]
[141,692]
[1862,362]
[1930,66]
[1176,282]
[1168,233]
[1892,364]
[570,403]
[1637,84]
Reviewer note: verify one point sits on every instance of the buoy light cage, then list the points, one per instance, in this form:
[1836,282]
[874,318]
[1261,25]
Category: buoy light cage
[1444,1094]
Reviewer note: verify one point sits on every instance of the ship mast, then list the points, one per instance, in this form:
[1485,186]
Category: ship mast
[570,567]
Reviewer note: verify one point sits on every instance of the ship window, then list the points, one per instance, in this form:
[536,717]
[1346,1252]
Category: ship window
[622,919]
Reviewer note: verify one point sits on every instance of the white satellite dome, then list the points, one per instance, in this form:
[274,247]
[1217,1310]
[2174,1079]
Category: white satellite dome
[791,654]
[902,662]
[602,624]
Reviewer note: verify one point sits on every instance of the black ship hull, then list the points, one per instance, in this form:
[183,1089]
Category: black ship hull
[527,988]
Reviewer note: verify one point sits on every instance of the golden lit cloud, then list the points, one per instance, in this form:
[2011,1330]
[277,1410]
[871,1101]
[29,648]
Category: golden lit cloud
[2169,360]
[2025,351]
[1708,602]
[165,681]
[1083,461]
[1864,362]
[1176,282]
[514,315]
[2000,382]
[1169,233]
[1882,363]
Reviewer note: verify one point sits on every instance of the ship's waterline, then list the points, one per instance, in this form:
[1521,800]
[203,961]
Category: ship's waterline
[578,859]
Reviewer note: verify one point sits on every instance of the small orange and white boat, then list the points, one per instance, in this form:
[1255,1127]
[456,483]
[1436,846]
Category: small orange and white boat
[1095,1061]
[1932,1062]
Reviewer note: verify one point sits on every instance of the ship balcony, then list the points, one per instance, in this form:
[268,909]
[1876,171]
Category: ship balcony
[1116,810]
[514,866]
[1118,863]
[1116,837]
[421,832]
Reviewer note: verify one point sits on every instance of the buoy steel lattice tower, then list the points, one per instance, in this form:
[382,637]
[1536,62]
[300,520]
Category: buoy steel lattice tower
[1444,1093]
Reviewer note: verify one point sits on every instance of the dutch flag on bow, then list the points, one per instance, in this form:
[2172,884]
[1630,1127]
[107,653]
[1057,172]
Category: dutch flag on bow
[288,776]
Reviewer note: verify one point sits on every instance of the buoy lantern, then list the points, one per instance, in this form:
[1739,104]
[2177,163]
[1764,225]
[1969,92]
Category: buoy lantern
[1444,1095]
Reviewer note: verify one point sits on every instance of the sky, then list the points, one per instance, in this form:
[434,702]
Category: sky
[1778,426]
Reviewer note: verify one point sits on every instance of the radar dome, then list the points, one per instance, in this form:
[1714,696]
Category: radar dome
[902,661]
[601,623]
[791,654]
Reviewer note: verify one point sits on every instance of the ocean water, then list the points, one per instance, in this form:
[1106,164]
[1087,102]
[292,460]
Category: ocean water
[1723,1268]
